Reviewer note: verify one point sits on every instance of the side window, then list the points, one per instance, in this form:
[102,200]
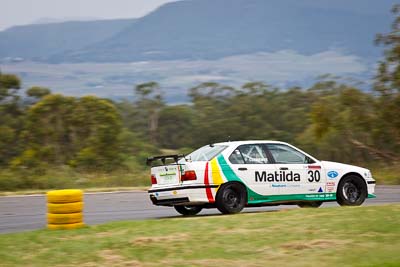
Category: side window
[249,154]
[286,155]
[236,157]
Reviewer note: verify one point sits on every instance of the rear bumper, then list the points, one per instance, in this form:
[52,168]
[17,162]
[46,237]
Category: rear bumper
[169,202]
[180,195]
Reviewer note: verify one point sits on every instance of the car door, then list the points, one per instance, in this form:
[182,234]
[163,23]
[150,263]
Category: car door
[298,174]
[252,164]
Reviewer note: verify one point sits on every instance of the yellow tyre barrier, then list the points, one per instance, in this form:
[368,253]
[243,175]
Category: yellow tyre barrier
[64,218]
[65,226]
[65,196]
[61,208]
[65,209]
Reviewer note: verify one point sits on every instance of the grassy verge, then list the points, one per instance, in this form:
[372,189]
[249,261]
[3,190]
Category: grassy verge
[358,236]
[87,190]
[66,177]
[388,175]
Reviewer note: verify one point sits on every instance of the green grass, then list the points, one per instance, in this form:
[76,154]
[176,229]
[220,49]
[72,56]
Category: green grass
[354,236]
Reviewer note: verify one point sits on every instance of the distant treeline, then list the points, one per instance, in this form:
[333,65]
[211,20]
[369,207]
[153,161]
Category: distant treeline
[332,120]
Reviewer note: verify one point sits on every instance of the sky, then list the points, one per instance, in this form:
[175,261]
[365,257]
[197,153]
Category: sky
[19,12]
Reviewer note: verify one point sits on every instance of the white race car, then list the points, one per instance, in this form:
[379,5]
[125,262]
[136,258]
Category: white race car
[232,175]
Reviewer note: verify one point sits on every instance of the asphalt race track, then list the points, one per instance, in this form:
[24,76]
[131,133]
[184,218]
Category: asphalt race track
[20,213]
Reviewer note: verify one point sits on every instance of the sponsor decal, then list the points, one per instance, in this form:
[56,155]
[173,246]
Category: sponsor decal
[330,183]
[314,167]
[319,196]
[330,189]
[278,185]
[332,174]
[281,176]
[167,174]
[312,190]
[320,190]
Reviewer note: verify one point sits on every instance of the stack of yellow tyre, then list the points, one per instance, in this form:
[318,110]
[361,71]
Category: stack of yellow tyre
[65,209]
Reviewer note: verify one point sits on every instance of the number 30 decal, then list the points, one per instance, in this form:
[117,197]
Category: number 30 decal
[314,176]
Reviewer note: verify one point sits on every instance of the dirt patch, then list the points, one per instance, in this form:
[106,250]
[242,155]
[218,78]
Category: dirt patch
[74,237]
[207,262]
[111,233]
[148,240]
[97,235]
[112,258]
[317,243]
[238,231]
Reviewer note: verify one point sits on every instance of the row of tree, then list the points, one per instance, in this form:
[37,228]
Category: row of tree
[332,120]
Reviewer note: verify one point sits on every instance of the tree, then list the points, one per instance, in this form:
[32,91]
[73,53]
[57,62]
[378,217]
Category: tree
[97,126]
[82,132]
[387,84]
[342,117]
[176,127]
[149,102]
[49,128]
[38,92]
[11,117]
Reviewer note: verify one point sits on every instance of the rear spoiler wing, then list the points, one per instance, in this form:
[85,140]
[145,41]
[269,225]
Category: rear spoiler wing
[149,160]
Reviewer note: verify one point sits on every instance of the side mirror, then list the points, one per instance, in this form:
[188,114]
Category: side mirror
[309,160]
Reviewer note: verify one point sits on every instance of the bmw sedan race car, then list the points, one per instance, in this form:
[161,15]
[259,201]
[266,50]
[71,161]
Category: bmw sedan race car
[232,175]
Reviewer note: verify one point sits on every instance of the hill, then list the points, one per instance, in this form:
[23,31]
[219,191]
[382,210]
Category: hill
[209,29]
[39,41]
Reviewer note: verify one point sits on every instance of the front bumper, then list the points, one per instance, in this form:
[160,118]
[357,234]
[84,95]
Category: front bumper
[180,195]
[371,188]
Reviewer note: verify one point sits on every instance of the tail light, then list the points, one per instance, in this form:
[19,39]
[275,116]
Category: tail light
[153,179]
[189,176]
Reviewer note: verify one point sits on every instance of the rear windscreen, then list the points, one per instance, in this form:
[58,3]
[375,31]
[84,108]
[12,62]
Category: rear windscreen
[205,153]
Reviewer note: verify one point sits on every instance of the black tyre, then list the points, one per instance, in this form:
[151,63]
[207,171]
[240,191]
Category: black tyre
[188,210]
[310,204]
[231,198]
[352,191]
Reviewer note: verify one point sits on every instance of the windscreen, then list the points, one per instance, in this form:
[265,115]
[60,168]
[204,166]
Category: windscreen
[205,153]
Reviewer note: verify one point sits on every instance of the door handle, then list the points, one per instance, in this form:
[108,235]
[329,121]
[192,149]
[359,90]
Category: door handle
[242,169]
[284,168]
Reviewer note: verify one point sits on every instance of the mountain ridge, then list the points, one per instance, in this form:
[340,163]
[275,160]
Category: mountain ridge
[39,41]
[207,29]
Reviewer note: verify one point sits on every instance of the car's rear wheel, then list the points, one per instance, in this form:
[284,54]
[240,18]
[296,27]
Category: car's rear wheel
[188,210]
[352,191]
[231,198]
[310,204]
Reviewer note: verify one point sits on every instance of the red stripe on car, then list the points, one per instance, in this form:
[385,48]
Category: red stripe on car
[208,189]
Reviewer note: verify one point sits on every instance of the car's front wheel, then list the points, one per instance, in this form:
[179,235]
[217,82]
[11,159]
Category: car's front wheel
[310,204]
[352,191]
[231,198]
[188,210]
